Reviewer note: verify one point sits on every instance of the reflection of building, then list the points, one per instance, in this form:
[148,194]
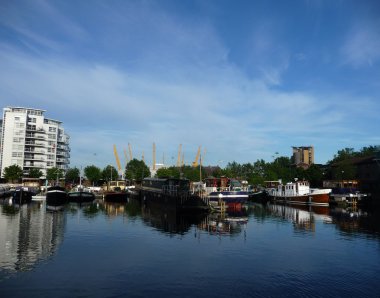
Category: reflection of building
[28,235]
[302,217]
[31,141]
[303,156]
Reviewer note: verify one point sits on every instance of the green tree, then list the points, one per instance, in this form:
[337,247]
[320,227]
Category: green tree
[35,173]
[344,154]
[72,175]
[168,172]
[13,173]
[314,175]
[110,173]
[136,170]
[93,173]
[54,174]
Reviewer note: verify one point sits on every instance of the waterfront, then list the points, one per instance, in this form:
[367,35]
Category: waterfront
[113,250]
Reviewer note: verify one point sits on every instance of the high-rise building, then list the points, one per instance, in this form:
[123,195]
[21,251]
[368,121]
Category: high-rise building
[30,140]
[303,156]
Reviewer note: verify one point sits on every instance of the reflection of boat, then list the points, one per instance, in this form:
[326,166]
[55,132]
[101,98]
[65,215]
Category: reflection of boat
[5,191]
[22,196]
[299,192]
[56,195]
[222,224]
[80,195]
[171,192]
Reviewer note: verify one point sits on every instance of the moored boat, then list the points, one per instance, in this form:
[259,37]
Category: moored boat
[230,191]
[56,196]
[299,193]
[172,193]
[80,195]
[116,196]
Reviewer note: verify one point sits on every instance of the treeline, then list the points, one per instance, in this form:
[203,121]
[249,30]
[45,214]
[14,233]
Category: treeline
[340,167]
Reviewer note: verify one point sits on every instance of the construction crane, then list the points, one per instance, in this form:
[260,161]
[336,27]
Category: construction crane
[179,155]
[117,159]
[196,161]
[126,157]
[130,151]
[154,157]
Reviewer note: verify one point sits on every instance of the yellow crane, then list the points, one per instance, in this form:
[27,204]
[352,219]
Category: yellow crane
[154,156]
[130,151]
[126,157]
[117,159]
[196,161]
[179,155]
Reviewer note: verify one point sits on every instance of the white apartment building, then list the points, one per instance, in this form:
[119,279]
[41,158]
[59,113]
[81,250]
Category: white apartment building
[30,140]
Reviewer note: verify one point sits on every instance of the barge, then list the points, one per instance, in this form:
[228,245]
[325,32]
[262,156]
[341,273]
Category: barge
[170,192]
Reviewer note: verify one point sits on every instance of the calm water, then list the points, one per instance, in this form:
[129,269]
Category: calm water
[127,250]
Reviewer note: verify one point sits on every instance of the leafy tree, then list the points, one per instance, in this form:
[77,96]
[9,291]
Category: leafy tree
[168,172]
[110,173]
[72,174]
[136,170]
[93,173]
[314,175]
[54,174]
[35,173]
[344,154]
[13,173]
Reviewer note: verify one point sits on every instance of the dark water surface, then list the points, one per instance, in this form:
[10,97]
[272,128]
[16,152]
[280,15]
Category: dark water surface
[127,250]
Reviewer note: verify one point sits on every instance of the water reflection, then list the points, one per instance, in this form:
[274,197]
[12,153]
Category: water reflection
[28,233]
[169,220]
[230,223]
[304,218]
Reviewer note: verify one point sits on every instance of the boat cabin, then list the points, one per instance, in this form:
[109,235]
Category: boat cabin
[172,186]
[297,188]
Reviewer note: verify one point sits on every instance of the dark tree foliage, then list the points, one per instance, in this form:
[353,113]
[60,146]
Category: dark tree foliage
[13,173]
[54,174]
[35,173]
[93,173]
[72,175]
[110,173]
[136,170]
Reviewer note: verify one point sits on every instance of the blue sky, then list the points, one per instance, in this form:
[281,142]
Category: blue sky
[243,79]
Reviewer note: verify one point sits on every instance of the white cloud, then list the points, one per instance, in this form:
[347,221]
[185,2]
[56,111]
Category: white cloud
[362,45]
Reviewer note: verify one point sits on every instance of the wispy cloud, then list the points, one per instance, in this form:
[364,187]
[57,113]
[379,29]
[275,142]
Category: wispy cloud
[146,75]
[362,45]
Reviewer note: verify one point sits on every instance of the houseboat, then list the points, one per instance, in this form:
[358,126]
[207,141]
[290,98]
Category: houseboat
[114,191]
[227,190]
[56,196]
[170,192]
[299,193]
[80,194]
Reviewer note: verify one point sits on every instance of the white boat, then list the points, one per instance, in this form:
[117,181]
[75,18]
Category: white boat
[300,193]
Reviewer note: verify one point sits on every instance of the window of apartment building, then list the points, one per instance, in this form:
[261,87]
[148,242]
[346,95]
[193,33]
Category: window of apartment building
[18,140]
[50,163]
[16,154]
[17,162]
[33,120]
[17,119]
[50,156]
[19,133]
[20,125]
[52,136]
[17,147]
[52,129]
